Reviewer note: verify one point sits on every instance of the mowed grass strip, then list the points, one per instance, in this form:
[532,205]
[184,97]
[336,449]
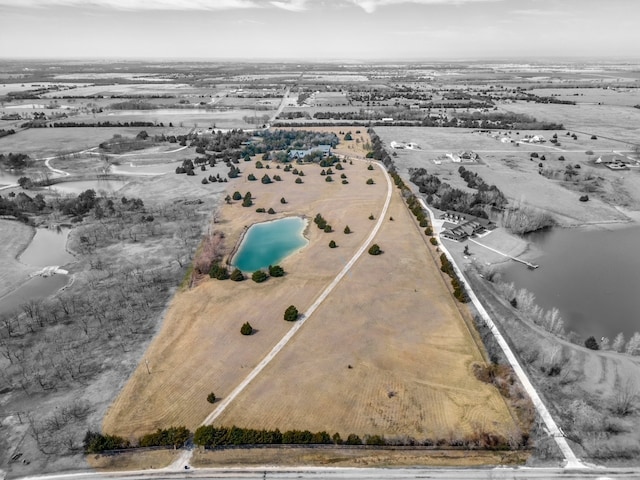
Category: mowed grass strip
[199,348]
[388,353]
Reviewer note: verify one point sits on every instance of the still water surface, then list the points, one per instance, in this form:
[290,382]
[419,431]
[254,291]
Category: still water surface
[269,243]
[48,248]
[592,277]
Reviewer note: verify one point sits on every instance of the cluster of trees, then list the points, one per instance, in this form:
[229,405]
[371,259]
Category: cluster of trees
[175,437]
[444,197]
[521,219]
[4,133]
[458,288]
[322,223]
[209,436]
[15,161]
[106,123]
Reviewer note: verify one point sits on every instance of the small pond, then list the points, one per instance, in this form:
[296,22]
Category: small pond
[47,248]
[269,243]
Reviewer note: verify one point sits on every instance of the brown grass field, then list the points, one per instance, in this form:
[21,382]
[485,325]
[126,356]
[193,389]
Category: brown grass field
[335,457]
[393,320]
[14,238]
[409,346]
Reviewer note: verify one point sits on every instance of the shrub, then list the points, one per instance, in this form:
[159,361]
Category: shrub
[246,329]
[237,196]
[375,249]
[323,173]
[561,158]
[301,173]
[328,179]
[347,230]
[258,276]
[591,343]
[345,182]
[371,217]
[353,439]
[259,164]
[291,314]
[534,155]
[370,181]
[584,198]
[424,223]
[205,181]
[219,272]
[211,398]
[343,176]
[237,275]
[589,152]
[247,202]
[298,180]
[265,179]
[260,210]
[283,200]
[370,167]
[277,178]
[332,244]
[276,271]
[95,442]
[251,177]
[428,231]
[271,211]
[328,229]
[593,137]
[433,241]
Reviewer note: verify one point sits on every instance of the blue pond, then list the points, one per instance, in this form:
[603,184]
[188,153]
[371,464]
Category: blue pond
[269,243]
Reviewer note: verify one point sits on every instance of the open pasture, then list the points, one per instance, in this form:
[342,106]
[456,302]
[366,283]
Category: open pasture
[45,142]
[513,170]
[200,348]
[380,360]
[606,96]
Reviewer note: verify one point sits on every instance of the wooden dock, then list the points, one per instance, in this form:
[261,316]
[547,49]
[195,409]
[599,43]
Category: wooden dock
[530,266]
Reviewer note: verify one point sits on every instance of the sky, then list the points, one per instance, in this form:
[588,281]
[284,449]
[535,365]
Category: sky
[319,30]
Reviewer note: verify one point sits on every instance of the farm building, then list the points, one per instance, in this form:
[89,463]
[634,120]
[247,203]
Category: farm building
[612,158]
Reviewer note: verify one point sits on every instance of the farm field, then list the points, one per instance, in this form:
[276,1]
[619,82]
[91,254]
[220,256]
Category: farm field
[375,360]
[516,173]
[218,356]
[44,142]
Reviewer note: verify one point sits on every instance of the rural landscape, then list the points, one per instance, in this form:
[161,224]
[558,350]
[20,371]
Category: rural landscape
[411,320]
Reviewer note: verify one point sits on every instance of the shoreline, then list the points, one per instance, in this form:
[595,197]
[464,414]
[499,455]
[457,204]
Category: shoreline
[236,247]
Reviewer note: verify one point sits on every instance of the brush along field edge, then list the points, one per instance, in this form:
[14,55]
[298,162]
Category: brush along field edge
[571,461]
[305,316]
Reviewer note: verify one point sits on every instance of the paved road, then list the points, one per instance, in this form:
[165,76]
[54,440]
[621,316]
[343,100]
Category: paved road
[571,461]
[319,473]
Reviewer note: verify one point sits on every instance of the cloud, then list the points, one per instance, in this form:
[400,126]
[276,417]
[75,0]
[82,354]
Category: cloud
[371,6]
[291,5]
[137,4]
[536,12]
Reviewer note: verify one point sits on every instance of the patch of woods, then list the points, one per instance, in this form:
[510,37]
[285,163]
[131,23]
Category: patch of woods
[120,144]
[66,342]
[445,197]
[5,132]
[15,161]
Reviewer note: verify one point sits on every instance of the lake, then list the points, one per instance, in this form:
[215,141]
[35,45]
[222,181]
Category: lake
[269,243]
[591,276]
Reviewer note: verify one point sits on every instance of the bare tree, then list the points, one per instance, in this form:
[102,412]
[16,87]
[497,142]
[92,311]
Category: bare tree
[625,398]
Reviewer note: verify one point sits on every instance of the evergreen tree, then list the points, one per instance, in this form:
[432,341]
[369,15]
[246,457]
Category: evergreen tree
[246,329]
[291,314]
